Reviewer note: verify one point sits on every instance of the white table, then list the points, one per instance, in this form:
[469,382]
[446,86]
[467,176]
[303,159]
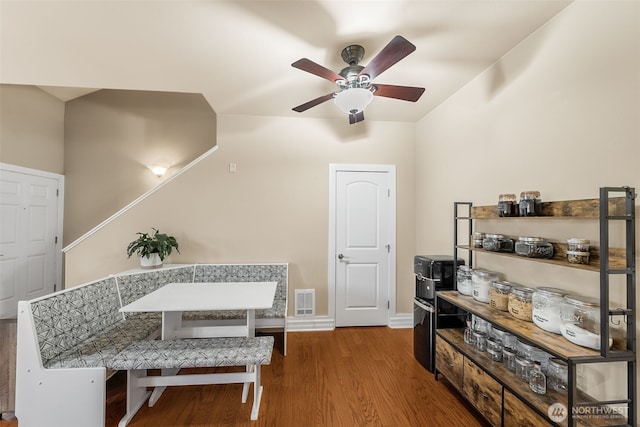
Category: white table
[175,298]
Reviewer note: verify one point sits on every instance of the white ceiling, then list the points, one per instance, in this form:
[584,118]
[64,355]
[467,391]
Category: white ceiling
[238,54]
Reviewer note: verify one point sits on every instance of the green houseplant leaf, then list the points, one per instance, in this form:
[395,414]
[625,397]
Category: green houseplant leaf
[147,244]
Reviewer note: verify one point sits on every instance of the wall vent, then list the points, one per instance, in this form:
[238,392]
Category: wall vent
[305,302]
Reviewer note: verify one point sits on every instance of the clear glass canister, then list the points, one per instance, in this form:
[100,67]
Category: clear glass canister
[463,280]
[480,339]
[497,243]
[508,340]
[520,303]
[499,295]
[530,203]
[557,375]
[578,257]
[509,355]
[534,247]
[523,367]
[507,205]
[547,304]
[494,349]
[477,239]
[580,317]
[481,281]
[579,245]
[537,379]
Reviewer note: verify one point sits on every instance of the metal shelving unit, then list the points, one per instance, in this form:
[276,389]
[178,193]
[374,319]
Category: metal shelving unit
[610,262]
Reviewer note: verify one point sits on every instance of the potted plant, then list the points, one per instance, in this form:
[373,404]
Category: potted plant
[152,248]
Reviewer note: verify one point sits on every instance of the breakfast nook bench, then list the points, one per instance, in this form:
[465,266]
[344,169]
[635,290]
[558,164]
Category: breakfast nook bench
[172,355]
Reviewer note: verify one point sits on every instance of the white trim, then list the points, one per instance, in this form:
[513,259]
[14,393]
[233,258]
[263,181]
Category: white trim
[334,168]
[138,200]
[60,211]
[320,323]
[401,321]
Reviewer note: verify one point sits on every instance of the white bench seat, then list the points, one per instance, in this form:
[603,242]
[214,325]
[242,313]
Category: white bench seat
[172,355]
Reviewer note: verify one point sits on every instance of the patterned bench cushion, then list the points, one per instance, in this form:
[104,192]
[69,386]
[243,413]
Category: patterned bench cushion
[276,311]
[98,350]
[134,286]
[195,353]
[67,320]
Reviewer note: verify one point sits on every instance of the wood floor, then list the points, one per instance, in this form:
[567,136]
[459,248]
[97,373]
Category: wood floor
[347,377]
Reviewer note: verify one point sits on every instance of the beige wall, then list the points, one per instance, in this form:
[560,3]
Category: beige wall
[558,114]
[112,136]
[274,209]
[31,128]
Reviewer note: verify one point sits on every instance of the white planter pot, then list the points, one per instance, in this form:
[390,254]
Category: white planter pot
[151,261]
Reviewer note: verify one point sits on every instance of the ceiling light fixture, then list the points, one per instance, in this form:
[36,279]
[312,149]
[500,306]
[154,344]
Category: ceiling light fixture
[353,100]
[158,171]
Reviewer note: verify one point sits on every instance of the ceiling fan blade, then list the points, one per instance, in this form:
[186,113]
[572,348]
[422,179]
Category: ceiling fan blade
[309,66]
[355,118]
[406,93]
[313,102]
[398,48]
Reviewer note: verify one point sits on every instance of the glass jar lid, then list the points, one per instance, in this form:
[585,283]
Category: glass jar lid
[577,241]
[501,285]
[506,197]
[548,290]
[495,236]
[522,291]
[526,195]
[485,274]
[580,301]
[523,361]
[531,239]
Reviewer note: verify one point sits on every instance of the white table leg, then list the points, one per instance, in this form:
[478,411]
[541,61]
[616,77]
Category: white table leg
[171,323]
[251,323]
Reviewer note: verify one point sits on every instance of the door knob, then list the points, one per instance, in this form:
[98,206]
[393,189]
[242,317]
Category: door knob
[340,256]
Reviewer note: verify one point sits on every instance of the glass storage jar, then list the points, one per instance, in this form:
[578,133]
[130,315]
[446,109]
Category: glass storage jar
[481,281]
[507,205]
[557,375]
[508,340]
[480,339]
[509,355]
[580,317]
[494,349]
[578,257]
[534,247]
[463,280]
[499,295]
[537,379]
[530,204]
[533,353]
[579,245]
[497,243]
[520,303]
[547,304]
[476,239]
[523,367]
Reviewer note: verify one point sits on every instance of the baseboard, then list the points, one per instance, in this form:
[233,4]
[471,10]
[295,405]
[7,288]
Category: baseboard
[324,323]
[320,323]
[401,321]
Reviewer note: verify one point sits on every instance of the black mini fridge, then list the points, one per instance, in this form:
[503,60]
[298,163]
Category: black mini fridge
[433,273]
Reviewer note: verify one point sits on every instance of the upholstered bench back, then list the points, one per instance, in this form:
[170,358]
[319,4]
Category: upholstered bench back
[245,273]
[133,286]
[67,318]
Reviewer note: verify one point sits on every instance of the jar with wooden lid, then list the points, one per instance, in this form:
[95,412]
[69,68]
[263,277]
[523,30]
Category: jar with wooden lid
[530,204]
[507,205]
[499,295]
[520,303]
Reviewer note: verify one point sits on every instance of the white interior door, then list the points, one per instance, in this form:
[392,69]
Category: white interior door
[362,247]
[29,250]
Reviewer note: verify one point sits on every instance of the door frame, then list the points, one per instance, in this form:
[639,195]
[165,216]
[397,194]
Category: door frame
[334,168]
[60,212]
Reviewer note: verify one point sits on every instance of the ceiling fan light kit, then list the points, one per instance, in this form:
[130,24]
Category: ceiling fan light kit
[355,81]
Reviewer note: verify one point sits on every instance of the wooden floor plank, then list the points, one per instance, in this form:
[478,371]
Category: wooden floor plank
[346,377]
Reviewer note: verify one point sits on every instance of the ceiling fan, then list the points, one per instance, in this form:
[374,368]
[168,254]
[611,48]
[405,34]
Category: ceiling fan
[357,88]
